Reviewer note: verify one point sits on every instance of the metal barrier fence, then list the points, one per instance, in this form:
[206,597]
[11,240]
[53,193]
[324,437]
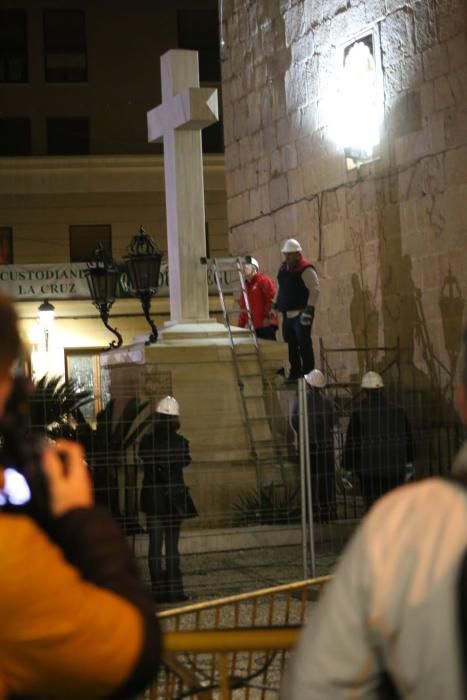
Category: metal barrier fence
[233,647]
[253,527]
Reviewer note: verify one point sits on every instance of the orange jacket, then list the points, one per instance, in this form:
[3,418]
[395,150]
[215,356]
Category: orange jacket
[62,636]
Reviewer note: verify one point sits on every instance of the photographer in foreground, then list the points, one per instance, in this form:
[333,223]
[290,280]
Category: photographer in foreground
[76,622]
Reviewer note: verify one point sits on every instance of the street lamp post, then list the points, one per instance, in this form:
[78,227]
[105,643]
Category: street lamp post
[143,263]
[102,277]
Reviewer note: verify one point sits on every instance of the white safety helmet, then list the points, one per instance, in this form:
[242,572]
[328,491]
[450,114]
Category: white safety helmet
[168,406]
[315,378]
[254,262]
[372,380]
[291,245]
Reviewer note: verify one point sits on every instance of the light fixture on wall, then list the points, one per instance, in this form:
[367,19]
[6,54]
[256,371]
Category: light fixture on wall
[46,320]
[353,104]
[361,118]
[143,263]
[102,278]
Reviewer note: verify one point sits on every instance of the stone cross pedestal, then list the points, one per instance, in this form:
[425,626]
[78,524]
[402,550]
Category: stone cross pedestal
[186,109]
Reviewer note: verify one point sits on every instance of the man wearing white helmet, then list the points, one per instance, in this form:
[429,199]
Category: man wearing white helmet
[261,290]
[297,294]
[165,499]
[379,443]
[321,421]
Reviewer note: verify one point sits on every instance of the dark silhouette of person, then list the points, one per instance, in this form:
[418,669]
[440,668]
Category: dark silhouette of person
[165,499]
[321,421]
[379,443]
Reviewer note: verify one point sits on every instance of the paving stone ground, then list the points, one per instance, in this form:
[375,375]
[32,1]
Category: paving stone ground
[217,574]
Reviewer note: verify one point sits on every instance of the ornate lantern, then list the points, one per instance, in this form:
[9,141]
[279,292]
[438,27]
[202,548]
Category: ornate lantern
[143,263]
[102,278]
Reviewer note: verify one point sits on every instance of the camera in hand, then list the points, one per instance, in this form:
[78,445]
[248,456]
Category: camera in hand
[25,486]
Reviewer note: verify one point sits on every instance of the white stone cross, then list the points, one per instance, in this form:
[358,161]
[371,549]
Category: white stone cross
[186,109]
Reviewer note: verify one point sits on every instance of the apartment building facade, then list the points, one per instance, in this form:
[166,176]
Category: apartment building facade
[76,81]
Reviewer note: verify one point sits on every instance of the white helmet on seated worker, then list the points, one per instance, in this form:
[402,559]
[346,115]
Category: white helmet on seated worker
[372,380]
[253,262]
[315,378]
[291,245]
[168,406]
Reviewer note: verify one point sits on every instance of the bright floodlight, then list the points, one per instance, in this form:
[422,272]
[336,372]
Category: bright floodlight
[360,113]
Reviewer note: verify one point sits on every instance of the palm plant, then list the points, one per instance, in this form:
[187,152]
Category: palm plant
[270,505]
[53,404]
[107,446]
[55,408]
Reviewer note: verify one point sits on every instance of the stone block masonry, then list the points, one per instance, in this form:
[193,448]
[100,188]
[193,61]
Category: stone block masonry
[394,230]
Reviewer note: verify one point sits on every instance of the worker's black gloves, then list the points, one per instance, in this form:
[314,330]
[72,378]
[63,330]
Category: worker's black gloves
[307,316]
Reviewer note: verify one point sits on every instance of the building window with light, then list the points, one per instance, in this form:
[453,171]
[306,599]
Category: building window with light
[83,367]
[361,101]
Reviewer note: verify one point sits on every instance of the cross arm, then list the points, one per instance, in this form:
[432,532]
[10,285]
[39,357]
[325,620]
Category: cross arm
[193,108]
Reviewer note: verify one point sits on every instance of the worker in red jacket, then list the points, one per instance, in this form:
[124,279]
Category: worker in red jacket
[261,290]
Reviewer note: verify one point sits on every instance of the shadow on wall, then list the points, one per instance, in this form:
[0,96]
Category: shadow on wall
[364,319]
[426,388]
[451,305]
[404,319]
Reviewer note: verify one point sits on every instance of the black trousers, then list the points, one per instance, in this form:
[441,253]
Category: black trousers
[164,568]
[378,482]
[323,483]
[266,333]
[298,338]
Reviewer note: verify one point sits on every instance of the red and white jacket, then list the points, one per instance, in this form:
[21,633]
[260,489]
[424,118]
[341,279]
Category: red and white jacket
[261,290]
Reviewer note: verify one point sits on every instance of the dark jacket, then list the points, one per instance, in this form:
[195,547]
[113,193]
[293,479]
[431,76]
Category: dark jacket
[321,417]
[293,293]
[378,436]
[165,454]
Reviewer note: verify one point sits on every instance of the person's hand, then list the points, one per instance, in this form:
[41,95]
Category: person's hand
[307,315]
[67,474]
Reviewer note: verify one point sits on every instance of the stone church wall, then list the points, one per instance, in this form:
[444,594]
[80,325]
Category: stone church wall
[389,237]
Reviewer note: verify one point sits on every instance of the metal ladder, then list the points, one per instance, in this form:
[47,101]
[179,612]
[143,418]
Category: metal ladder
[259,444]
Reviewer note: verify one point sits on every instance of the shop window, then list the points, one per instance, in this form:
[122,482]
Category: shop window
[65,46]
[84,240]
[13,46]
[83,367]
